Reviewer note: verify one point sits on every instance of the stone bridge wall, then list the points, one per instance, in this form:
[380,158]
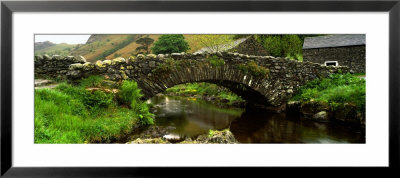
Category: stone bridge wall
[155,73]
[56,65]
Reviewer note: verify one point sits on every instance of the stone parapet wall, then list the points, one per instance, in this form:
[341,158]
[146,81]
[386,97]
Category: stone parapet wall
[55,66]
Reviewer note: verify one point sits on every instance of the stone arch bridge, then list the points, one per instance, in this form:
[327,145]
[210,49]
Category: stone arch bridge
[263,80]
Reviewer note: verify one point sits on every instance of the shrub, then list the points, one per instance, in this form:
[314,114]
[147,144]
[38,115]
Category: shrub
[170,44]
[130,95]
[92,81]
[273,45]
[98,99]
[254,69]
[216,61]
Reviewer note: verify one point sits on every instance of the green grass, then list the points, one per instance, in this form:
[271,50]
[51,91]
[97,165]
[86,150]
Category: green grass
[71,114]
[335,90]
[205,89]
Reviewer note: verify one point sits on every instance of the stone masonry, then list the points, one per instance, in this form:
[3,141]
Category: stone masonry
[155,73]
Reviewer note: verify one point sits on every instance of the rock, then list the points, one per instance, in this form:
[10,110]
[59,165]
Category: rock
[88,66]
[117,61]
[74,74]
[173,138]
[99,64]
[160,56]
[46,57]
[140,56]
[80,59]
[148,141]
[321,116]
[76,66]
[107,62]
[224,136]
[152,64]
[56,57]
[151,56]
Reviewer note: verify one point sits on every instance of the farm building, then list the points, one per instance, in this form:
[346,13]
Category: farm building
[338,50]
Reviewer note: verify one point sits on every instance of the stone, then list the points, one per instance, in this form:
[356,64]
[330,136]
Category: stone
[80,59]
[74,74]
[57,57]
[140,56]
[99,64]
[88,66]
[321,116]
[76,66]
[38,57]
[160,56]
[152,64]
[107,62]
[173,138]
[117,61]
[151,56]
[46,57]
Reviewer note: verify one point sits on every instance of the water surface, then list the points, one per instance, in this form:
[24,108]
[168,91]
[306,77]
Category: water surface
[192,117]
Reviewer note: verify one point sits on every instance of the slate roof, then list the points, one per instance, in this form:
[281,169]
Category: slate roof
[334,41]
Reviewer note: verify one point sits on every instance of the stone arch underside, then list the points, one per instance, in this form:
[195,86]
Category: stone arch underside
[256,90]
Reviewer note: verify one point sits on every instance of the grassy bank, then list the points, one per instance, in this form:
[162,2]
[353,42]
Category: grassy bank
[219,94]
[73,114]
[335,91]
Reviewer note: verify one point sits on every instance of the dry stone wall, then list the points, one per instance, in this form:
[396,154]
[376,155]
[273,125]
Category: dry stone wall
[155,73]
[55,66]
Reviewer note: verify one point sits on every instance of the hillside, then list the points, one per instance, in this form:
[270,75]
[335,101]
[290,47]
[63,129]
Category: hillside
[109,46]
[52,48]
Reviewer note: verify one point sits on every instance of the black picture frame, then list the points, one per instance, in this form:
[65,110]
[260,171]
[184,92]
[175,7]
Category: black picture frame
[8,7]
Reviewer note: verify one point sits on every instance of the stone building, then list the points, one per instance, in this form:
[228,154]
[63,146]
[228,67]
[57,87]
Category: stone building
[337,50]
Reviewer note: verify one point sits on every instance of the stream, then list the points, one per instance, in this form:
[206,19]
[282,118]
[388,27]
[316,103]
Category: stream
[191,117]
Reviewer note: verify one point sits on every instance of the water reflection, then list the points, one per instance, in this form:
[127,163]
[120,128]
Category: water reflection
[192,117]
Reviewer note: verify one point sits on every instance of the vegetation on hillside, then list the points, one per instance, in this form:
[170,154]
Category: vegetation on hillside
[110,51]
[214,43]
[56,49]
[73,114]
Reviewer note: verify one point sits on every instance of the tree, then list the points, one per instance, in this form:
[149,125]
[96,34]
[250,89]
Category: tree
[170,44]
[145,42]
[215,43]
[283,45]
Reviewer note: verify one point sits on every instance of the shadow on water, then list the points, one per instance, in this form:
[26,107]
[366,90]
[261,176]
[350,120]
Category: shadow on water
[255,126]
[192,117]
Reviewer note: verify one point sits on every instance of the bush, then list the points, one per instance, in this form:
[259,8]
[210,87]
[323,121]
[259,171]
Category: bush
[91,81]
[273,45]
[216,61]
[170,44]
[254,69]
[98,99]
[130,95]
[129,92]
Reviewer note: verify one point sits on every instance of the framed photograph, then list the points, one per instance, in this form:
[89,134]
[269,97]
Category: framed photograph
[137,88]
